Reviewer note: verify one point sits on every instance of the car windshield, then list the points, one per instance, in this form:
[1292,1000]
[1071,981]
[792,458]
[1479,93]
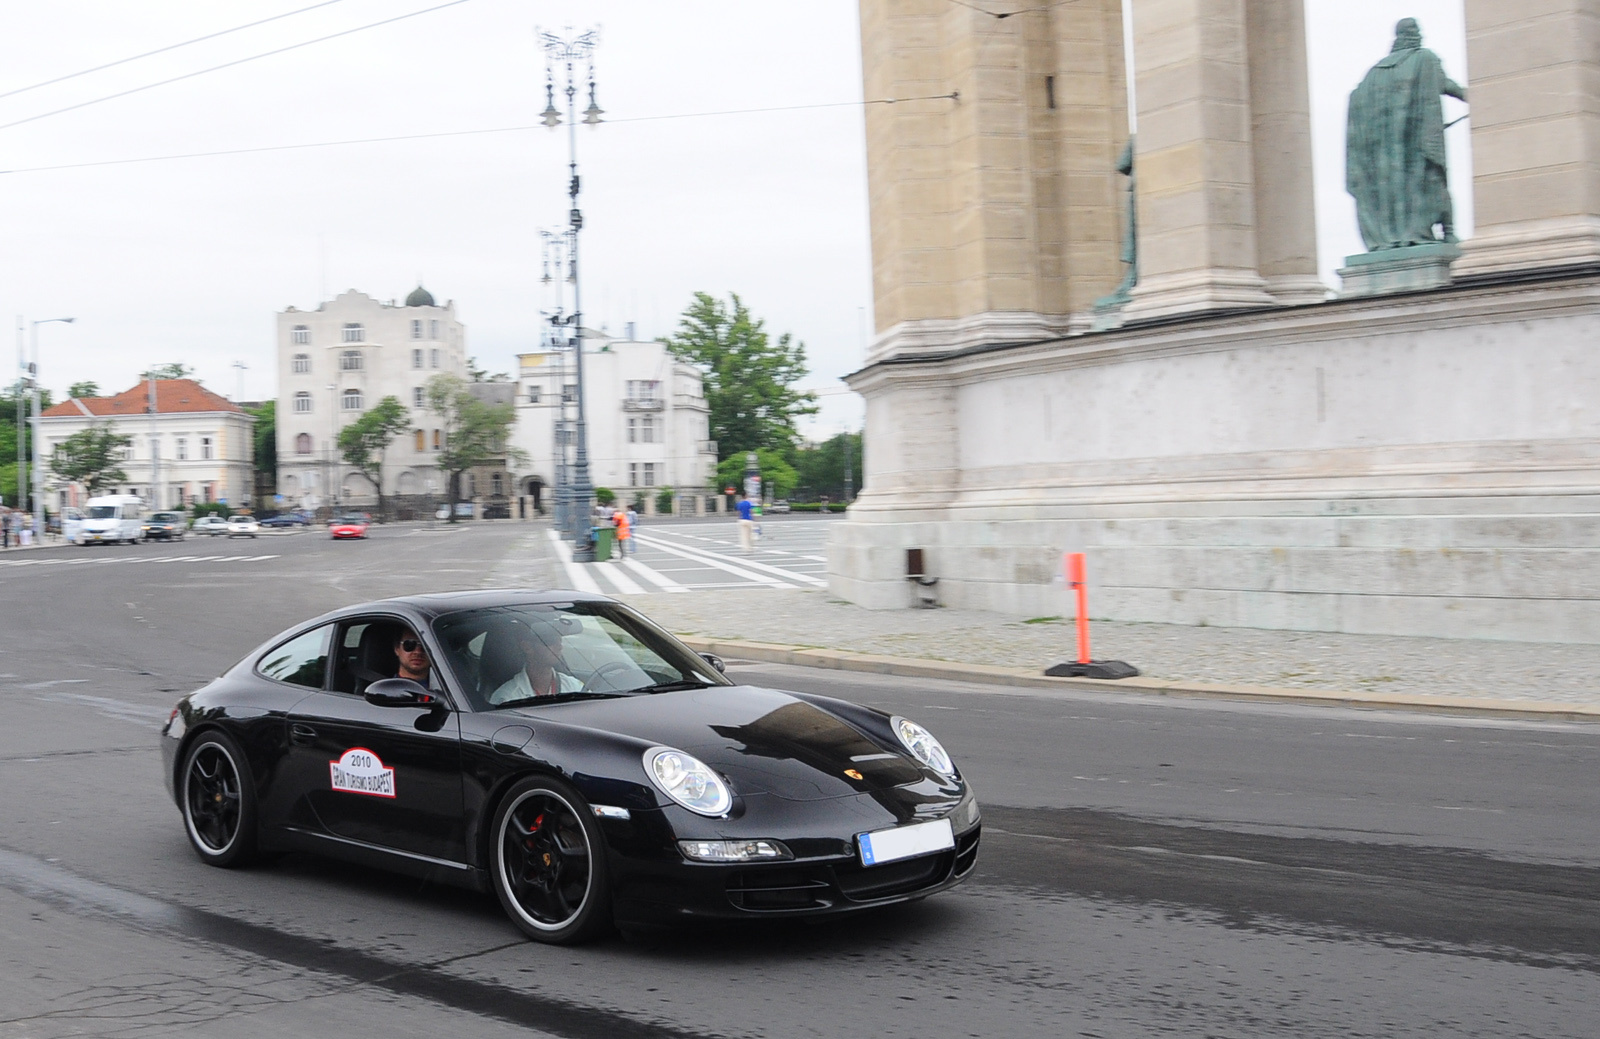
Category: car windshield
[352,519]
[164,517]
[520,655]
[102,512]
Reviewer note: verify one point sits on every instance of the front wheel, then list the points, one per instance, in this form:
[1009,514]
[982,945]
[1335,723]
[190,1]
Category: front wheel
[548,862]
[219,801]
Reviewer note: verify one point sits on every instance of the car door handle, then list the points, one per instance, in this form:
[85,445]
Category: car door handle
[302,733]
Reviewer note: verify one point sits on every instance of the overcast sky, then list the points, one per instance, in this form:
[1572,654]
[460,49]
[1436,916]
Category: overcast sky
[188,260]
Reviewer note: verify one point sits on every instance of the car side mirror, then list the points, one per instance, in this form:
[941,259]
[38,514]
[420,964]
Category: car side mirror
[399,692]
[716,662]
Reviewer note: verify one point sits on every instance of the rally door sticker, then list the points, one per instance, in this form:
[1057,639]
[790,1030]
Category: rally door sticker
[359,771]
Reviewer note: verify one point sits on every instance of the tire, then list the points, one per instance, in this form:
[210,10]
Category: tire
[218,799]
[547,863]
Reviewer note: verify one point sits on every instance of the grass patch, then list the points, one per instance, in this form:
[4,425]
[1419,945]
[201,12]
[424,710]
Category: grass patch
[1043,620]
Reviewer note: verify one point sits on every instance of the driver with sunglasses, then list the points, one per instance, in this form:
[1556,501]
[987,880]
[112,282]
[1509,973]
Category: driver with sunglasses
[413,657]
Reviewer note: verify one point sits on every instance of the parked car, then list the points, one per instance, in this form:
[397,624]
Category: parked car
[164,526]
[243,526]
[287,519]
[778,506]
[212,525]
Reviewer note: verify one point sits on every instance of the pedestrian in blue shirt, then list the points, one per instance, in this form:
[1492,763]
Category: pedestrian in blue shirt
[747,524]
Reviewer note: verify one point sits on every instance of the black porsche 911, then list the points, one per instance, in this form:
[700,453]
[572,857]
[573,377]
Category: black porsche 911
[561,750]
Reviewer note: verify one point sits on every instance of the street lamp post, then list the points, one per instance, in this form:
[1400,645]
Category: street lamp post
[565,51]
[38,473]
[557,249]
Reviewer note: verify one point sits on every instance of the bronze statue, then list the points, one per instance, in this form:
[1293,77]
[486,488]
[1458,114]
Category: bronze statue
[1130,236]
[1394,146]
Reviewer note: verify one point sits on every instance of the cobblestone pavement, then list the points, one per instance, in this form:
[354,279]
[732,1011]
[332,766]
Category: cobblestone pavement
[1235,656]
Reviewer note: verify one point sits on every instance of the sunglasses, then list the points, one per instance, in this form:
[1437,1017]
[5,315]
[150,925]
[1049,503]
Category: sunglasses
[412,645]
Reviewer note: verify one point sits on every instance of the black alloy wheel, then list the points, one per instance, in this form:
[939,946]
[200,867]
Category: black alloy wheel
[219,801]
[548,863]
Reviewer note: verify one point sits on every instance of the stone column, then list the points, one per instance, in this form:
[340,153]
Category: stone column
[1280,133]
[1535,134]
[1194,163]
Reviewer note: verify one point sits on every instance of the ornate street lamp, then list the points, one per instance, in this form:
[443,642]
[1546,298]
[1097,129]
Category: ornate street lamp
[568,52]
[557,249]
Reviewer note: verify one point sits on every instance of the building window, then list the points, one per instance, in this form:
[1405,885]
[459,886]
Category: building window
[302,335]
[422,441]
[649,474]
[434,328]
[205,448]
[533,394]
[350,361]
[418,397]
[302,444]
[302,403]
[433,358]
[302,364]
[416,328]
[647,429]
[633,430]
[472,485]
[355,333]
[644,389]
[351,400]
[499,486]
[633,474]
[569,393]
[438,440]
[181,449]
[416,357]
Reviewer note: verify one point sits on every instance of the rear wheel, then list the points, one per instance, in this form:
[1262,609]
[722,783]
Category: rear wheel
[547,859]
[219,801]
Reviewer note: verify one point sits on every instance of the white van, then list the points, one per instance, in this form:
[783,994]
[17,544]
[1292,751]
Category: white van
[112,518]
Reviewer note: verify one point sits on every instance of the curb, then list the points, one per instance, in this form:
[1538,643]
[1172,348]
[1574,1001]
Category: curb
[839,660]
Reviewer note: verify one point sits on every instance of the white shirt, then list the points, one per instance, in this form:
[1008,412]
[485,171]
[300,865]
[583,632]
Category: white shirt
[519,687]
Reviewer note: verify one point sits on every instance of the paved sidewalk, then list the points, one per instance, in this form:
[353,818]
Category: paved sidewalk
[1362,668]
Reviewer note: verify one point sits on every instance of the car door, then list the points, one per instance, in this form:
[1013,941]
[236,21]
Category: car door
[384,776]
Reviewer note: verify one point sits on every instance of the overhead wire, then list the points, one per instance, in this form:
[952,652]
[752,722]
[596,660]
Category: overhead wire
[231,64]
[163,50]
[467,133]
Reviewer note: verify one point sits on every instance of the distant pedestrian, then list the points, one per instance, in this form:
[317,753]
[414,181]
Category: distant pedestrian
[747,524]
[633,517]
[5,531]
[619,519]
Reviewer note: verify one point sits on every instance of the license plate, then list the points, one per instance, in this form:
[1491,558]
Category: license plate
[903,842]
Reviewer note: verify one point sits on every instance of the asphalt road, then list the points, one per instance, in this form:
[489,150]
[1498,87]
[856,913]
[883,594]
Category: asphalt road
[1185,868]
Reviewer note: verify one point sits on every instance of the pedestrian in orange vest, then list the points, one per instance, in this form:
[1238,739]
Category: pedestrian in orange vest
[619,519]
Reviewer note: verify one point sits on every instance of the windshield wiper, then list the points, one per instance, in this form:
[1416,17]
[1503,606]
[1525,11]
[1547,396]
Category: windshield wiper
[525,701]
[672,687]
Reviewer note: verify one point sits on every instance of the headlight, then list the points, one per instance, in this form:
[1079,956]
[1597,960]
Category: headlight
[688,781]
[734,851]
[923,746]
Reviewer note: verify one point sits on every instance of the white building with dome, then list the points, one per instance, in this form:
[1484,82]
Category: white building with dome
[337,361]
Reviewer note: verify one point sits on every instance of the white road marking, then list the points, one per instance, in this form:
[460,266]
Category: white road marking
[655,577]
[776,571]
[703,556]
[624,584]
[580,580]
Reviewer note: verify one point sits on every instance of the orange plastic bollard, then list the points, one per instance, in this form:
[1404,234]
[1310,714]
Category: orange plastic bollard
[1078,579]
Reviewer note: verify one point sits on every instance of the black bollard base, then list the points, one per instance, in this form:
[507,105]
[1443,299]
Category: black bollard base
[1093,669]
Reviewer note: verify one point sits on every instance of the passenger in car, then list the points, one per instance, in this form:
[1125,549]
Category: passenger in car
[543,672]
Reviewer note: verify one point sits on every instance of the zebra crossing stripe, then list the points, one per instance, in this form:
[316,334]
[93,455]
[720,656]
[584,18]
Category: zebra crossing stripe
[625,584]
[660,580]
[580,580]
[707,556]
[718,562]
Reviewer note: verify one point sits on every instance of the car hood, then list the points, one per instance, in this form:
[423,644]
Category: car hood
[764,740]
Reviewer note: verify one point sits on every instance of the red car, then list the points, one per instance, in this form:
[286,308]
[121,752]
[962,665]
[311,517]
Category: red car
[352,525]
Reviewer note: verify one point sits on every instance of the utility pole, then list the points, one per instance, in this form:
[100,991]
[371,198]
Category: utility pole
[568,52]
[155,447]
[38,472]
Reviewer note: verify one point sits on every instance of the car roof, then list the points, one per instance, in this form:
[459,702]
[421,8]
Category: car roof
[437,604]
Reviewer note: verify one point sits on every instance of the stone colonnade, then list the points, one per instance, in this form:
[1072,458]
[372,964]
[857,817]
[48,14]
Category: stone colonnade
[1242,449]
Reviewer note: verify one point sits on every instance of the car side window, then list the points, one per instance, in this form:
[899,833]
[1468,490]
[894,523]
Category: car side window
[303,660]
[366,654]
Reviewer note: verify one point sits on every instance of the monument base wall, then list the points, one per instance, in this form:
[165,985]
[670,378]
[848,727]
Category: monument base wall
[1421,465]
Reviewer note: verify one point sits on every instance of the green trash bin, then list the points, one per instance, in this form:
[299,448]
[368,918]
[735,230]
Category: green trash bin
[604,537]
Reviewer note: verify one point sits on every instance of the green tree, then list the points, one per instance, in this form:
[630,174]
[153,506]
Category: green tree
[749,377]
[92,457]
[821,468]
[84,389]
[171,370]
[265,437]
[475,432]
[364,441]
[775,473]
[9,433]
